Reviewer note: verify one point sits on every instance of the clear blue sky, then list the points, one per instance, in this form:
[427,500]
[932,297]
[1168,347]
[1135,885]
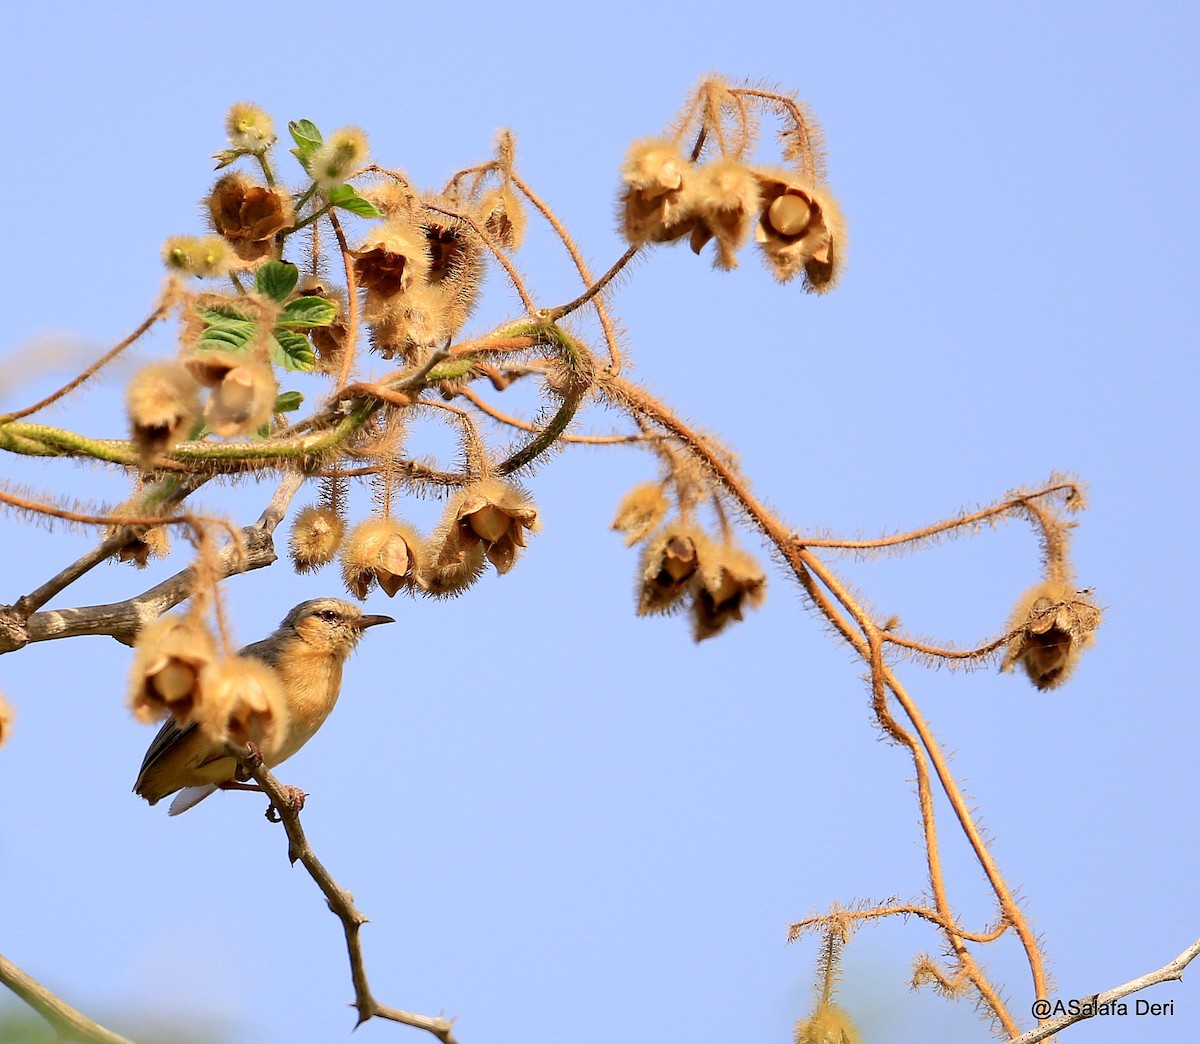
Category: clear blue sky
[567,824]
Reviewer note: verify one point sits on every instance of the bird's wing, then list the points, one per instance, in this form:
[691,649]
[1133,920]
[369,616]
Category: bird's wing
[168,737]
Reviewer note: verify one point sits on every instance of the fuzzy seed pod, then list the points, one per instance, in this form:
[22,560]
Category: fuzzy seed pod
[244,703]
[152,542]
[338,156]
[248,215]
[726,199]
[249,128]
[390,260]
[205,257]
[829,1024]
[503,215]
[383,551]
[243,391]
[166,677]
[163,401]
[456,269]
[409,323]
[670,567]
[1054,624]
[316,537]
[800,230]
[730,581]
[640,510]
[494,514]
[7,715]
[452,564]
[655,207]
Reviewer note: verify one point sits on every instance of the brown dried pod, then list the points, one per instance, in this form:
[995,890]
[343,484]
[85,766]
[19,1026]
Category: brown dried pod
[456,266]
[452,564]
[503,215]
[383,551]
[316,536]
[655,206]
[169,659]
[243,393]
[1054,622]
[495,514]
[731,580]
[249,215]
[800,230]
[670,567]
[244,703]
[391,259]
[163,401]
[640,511]
[726,198]
[150,542]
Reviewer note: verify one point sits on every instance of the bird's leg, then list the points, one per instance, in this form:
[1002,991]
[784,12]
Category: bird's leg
[231,784]
[252,759]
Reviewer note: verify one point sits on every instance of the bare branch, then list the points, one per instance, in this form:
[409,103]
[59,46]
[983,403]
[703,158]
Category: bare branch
[341,903]
[1167,973]
[67,1022]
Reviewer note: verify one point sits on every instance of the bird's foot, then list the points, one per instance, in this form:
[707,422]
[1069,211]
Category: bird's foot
[253,757]
[294,801]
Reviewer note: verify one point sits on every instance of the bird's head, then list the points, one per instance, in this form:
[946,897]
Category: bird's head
[329,625]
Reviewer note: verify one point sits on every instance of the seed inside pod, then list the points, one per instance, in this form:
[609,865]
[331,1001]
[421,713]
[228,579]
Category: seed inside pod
[490,523]
[789,214]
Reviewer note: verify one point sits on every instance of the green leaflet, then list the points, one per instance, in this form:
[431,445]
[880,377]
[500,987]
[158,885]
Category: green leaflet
[291,350]
[288,401]
[347,198]
[277,280]
[307,311]
[307,138]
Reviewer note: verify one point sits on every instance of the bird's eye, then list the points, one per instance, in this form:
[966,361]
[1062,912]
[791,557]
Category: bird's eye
[328,614]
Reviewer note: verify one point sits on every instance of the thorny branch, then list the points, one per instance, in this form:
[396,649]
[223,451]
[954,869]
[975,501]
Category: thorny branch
[341,903]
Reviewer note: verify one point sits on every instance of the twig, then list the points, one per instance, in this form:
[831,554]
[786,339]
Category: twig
[341,903]
[122,620]
[1173,971]
[67,1022]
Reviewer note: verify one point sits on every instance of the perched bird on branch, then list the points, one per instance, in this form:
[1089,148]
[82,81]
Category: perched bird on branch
[306,653]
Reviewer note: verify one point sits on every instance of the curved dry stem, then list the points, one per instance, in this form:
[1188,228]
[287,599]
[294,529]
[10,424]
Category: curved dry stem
[554,314]
[68,1023]
[875,913]
[351,299]
[606,323]
[516,422]
[161,310]
[341,904]
[806,566]
[1021,504]
[513,275]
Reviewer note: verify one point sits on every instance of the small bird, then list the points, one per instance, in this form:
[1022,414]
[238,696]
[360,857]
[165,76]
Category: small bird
[306,651]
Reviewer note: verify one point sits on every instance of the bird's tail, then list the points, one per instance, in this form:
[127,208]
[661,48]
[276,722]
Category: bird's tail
[188,797]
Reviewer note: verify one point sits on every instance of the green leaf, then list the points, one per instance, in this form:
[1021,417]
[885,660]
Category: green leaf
[225,334]
[347,198]
[291,350]
[307,311]
[277,279]
[307,138]
[288,401]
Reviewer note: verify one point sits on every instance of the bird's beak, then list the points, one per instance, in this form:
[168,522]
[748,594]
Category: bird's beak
[363,622]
